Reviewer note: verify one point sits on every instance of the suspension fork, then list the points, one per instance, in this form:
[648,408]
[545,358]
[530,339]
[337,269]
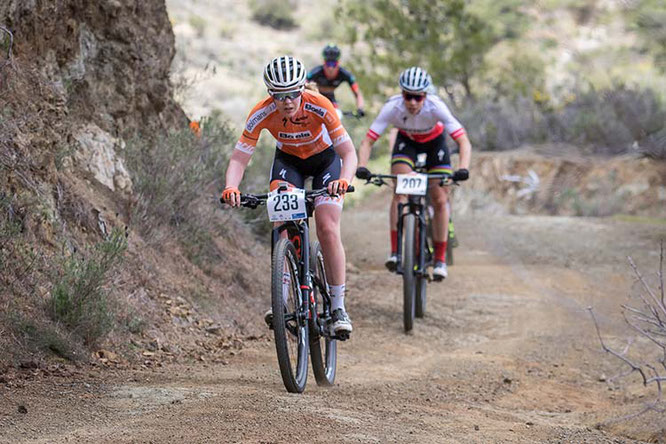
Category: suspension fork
[414,206]
[422,236]
[304,285]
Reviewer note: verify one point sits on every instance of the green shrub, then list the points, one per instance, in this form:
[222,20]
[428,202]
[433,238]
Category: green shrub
[78,298]
[172,172]
[178,178]
[277,14]
[618,120]
[41,337]
[199,24]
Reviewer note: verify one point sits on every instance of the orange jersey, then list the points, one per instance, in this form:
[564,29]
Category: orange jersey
[314,127]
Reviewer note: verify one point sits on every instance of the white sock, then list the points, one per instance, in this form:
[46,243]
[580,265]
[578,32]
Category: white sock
[337,297]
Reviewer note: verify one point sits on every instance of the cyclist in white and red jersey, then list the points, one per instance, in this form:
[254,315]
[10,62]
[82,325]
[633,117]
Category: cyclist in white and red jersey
[311,142]
[421,119]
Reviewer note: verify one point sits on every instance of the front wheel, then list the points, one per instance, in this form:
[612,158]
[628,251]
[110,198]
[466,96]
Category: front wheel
[408,277]
[323,364]
[421,290]
[290,329]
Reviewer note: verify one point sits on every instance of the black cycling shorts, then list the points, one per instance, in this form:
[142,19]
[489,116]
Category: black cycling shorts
[322,167]
[437,159]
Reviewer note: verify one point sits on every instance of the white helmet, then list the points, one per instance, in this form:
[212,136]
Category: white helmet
[415,79]
[285,73]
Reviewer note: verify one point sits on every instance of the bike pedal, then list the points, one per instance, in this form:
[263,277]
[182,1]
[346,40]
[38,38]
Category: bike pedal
[342,336]
[268,319]
[436,278]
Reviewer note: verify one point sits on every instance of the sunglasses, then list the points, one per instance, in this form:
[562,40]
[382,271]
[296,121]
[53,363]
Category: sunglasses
[282,96]
[331,63]
[409,96]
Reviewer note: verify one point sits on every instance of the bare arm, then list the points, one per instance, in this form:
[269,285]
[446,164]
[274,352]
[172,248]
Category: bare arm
[347,153]
[465,151]
[237,164]
[360,103]
[364,151]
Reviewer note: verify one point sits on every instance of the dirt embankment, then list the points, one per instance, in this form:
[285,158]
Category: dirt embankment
[86,80]
[557,181]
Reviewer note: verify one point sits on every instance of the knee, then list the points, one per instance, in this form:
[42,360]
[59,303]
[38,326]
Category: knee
[440,199]
[328,231]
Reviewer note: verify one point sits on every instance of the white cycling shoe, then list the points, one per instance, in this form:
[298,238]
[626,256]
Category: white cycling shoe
[439,272]
[340,322]
[392,262]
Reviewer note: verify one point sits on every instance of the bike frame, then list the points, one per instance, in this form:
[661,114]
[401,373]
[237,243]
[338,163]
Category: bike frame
[415,205]
[307,303]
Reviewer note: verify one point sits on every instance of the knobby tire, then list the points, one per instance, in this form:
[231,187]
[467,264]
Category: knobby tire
[323,364]
[290,335]
[422,281]
[408,277]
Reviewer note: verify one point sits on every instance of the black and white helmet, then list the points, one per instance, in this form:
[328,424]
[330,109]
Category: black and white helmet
[415,79]
[285,73]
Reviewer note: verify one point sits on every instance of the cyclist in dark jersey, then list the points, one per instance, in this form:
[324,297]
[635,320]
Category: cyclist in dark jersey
[330,75]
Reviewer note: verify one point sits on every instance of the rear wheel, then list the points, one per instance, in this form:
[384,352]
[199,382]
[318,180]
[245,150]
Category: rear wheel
[408,277]
[449,253]
[421,290]
[450,245]
[291,332]
[323,361]
[422,281]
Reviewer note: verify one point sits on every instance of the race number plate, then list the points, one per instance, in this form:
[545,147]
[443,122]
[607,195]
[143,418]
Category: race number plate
[286,205]
[414,184]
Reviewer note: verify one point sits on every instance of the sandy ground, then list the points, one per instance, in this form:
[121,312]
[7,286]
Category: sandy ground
[506,353]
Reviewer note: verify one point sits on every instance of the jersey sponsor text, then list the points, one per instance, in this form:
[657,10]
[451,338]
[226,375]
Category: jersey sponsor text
[295,136]
[321,112]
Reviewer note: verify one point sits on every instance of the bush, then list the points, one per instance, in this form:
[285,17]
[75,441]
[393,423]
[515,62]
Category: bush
[78,297]
[171,172]
[612,121]
[177,178]
[277,14]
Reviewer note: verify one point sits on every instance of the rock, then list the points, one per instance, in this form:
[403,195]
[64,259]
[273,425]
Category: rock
[214,329]
[97,154]
[22,409]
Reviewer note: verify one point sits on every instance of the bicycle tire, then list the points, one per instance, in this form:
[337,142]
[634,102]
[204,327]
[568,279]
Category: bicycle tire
[421,290]
[449,253]
[408,277]
[323,366]
[422,282]
[294,369]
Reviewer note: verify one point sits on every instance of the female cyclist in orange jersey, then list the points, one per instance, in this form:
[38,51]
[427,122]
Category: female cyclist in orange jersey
[311,142]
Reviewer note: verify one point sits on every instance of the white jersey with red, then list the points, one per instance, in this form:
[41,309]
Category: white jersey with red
[430,122]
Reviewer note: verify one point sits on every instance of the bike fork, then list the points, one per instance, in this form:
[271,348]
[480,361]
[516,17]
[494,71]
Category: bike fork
[398,269]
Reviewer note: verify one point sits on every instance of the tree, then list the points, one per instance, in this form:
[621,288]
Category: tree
[442,36]
[648,18]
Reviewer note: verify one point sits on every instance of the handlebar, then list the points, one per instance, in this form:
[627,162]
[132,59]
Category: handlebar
[254,200]
[445,179]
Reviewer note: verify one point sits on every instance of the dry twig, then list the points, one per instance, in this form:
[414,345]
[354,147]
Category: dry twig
[649,323]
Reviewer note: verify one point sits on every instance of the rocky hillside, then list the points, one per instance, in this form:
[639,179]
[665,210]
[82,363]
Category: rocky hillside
[87,82]
[556,180]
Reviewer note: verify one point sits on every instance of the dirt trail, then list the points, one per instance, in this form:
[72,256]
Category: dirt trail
[506,353]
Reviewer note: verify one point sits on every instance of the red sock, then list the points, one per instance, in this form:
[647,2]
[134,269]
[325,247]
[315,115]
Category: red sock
[440,251]
[394,241]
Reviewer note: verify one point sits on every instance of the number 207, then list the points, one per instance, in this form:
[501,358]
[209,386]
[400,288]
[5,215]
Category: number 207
[411,182]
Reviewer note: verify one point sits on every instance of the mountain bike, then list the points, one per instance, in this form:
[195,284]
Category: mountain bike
[415,241]
[300,299]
